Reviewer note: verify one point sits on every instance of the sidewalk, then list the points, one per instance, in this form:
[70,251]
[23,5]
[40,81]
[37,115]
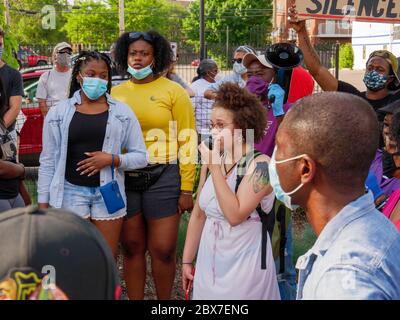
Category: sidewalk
[354,77]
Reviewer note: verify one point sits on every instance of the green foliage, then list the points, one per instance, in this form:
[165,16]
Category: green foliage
[91,23]
[10,43]
[244,22]
[346,56]
[102,25]
[27,28]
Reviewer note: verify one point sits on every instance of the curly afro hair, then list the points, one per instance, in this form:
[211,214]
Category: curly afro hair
[163,54]
[248,111]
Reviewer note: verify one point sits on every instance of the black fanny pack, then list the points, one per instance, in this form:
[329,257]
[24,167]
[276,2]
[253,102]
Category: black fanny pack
[142,179]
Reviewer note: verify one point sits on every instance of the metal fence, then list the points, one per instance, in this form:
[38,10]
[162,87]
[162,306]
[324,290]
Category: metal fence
[30,120]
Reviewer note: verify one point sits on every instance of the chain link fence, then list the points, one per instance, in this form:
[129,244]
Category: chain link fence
[30,121]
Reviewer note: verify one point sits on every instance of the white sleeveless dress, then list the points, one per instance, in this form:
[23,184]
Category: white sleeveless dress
[228,265]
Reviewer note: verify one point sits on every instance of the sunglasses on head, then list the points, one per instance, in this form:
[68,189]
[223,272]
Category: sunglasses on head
[237,60]
[141,35]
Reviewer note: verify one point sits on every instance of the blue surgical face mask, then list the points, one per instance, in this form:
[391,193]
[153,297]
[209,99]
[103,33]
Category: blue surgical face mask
[284,197]
[375,81]
[1,52]
[141,73]
[94,88]
[239,68]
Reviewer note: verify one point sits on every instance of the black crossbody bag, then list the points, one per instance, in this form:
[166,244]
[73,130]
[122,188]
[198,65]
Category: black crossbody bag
[142,179]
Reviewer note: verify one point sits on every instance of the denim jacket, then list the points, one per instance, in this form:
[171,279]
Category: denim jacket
[123,132]
[356,257]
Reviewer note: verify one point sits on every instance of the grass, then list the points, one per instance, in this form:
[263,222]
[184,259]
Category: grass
[182,234]
[303,239]
[31,186]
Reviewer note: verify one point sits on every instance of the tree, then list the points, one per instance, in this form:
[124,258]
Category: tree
[10,43]
[92,22]
[244,22]
[98,22]
[346,56]
[160,15]
[29,21]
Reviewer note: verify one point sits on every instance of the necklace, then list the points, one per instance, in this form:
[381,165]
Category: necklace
[227,172]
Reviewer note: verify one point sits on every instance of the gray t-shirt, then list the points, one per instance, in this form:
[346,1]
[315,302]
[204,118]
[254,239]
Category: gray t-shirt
[53,86]
[174,77]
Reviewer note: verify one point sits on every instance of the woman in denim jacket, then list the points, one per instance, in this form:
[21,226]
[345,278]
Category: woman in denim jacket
[80,136]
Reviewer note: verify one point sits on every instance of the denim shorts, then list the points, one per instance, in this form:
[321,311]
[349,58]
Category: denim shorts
[87,203]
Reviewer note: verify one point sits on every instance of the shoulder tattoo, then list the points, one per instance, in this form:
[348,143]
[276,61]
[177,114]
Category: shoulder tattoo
[260,176]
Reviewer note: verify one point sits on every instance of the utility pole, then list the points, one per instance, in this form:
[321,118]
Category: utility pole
[121,17]
[274,25]
[227,45]
[6,12]
[202,32]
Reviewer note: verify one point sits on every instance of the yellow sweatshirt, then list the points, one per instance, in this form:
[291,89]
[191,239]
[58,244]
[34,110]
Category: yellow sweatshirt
[166,116]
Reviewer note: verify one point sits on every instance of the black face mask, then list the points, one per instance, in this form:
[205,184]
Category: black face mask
[388,164]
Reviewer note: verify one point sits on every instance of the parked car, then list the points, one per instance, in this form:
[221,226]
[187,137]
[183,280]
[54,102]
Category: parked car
[30,120]
[195,63]
[29,58]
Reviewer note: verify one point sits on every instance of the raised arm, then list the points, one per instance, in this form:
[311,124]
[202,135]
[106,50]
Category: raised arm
[321,74]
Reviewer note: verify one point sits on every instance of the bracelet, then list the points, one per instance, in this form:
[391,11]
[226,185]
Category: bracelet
[187,193]
[191,263]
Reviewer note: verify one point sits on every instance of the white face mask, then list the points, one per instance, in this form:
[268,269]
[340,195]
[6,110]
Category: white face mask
[239,68]
[284,197]
[64,59]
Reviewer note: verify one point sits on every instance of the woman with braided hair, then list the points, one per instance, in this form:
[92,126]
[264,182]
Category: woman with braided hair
[83,138]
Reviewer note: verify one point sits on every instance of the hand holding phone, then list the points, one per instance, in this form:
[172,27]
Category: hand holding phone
[189,286]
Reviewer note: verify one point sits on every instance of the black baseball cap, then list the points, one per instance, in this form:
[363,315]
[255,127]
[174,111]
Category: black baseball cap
[390,108]
[68,249]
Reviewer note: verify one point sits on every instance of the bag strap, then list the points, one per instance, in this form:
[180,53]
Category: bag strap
[243,165]
[281,217]
[267,220]
[112,166]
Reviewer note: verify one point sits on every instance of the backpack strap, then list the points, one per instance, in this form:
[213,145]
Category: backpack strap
[243,165]
[268,224]
[267,220]
[281,217]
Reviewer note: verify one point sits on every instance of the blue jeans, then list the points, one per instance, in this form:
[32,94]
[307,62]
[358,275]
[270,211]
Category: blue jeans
[287,280]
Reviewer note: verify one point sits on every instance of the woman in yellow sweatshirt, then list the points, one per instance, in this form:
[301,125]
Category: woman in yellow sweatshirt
[158,195]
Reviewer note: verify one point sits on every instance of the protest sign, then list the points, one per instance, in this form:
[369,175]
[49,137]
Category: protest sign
[387,11]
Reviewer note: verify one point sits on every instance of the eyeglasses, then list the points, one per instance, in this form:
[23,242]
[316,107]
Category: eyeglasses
[138,35]
[237,60]
[65,52]
[219,126]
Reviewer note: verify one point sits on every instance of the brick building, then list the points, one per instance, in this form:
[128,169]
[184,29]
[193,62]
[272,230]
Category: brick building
[321,31]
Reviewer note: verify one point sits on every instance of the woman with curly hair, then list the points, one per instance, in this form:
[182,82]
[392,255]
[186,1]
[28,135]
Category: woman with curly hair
[159,194]
[224,228]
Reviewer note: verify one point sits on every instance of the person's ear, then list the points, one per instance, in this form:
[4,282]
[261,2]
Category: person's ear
[308,169]
[79,78]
